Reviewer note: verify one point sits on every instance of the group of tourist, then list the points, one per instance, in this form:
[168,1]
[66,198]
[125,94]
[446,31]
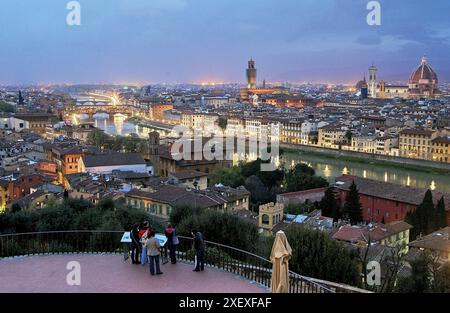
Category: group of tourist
[146,248]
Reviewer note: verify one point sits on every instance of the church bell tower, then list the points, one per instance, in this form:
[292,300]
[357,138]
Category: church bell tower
[373,81]
[251,75]
[153,151]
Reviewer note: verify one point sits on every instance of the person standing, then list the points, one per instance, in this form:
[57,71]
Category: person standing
[153,251]
[143,235]
[135,244]
[172,242]
[199,245]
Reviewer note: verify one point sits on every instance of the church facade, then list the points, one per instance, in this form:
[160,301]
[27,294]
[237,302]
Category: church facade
[422,84]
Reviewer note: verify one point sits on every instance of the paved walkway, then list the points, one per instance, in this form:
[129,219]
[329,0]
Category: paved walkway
[109,273]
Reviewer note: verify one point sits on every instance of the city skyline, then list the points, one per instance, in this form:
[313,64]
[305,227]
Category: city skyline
[144,42]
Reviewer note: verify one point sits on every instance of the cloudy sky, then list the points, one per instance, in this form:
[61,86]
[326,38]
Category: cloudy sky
[149,41]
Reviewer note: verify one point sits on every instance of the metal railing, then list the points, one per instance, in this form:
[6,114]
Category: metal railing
[229,259]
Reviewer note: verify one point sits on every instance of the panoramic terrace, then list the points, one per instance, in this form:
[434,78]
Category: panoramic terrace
[38,262]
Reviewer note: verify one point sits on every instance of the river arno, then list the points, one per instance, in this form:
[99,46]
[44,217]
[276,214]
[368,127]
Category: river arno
[114,125]
[330,168]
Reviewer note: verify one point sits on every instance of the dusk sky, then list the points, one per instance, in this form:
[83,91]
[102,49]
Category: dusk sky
[150,41]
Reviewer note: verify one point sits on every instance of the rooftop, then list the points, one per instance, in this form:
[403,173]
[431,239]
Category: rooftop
[175,195]
[376,232]
[417,131]
[395,192]
[112,159]
[188,175]
[439,241]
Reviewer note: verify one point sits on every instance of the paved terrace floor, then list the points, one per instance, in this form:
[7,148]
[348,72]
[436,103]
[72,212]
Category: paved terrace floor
[109,273]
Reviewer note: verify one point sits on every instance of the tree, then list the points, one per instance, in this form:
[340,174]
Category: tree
[16,207]
[303,177]
[316,254]
[106,204]
[227,176]
[73,214]
[260,194]
[441,282]
[304,208]
[133,144]
[348,136]
[352,207]
[226,229]
[425,218]
[271,178]
[116,143]
[222,122]
[268,178]
[420,279]
[250,168]
[329,206]
[6,107]
[97,138]
[56,218]
[428,274]
[18,222]
[441,214]
[180,213]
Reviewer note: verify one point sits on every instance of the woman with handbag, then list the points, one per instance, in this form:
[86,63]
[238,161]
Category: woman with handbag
[172,242]
[143,236]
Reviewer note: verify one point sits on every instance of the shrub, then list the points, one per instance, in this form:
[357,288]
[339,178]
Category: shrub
[316,254]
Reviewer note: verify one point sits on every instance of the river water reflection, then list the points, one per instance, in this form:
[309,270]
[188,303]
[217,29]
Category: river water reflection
[114,125]
[331,168]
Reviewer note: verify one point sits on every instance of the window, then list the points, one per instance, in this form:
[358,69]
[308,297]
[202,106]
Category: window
[265,219]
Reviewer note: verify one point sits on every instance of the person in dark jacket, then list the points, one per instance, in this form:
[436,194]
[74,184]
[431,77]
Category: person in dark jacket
[135,245]
[199,245]
[172,242]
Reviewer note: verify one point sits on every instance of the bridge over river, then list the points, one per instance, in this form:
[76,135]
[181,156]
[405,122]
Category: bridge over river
[92,103]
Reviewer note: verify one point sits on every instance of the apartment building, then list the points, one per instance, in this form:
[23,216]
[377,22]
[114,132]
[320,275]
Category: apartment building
[440,149]
[291,132]
[331,136]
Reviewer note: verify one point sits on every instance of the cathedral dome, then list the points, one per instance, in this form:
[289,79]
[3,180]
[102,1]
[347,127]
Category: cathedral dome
[424,74]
